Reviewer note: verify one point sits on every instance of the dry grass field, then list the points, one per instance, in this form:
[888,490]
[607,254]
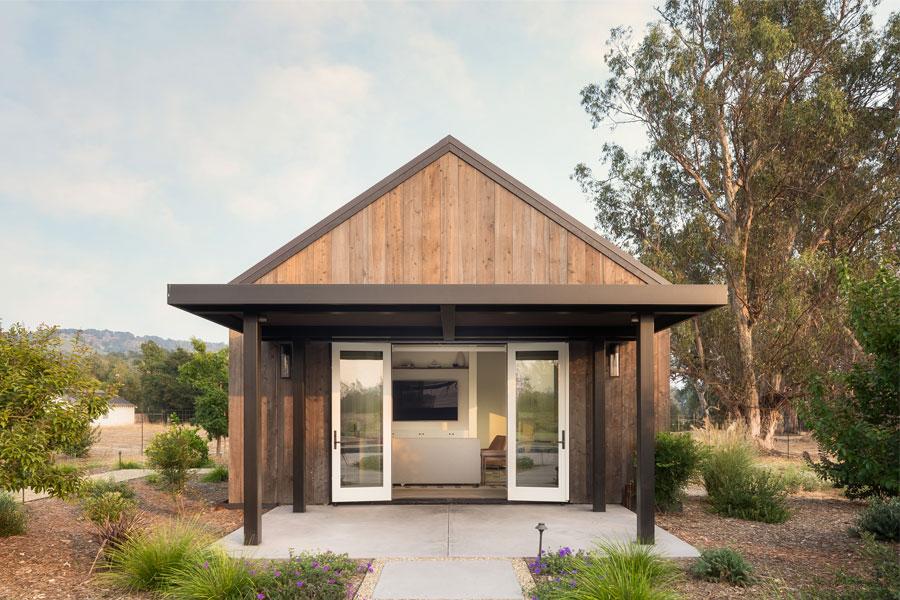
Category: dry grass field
[130,441]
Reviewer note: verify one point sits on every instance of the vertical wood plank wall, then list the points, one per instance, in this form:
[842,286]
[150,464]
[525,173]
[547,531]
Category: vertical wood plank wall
[277,405]
[449,224]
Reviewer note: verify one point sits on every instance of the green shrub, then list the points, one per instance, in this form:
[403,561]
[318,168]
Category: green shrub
[153,479]
[370,463]
[723,564]
[523,463]
[759,495]
[108,506]
[678,458]
[98,487]
[725,464]
[217,576]
[738,488]
[129,464]
[882,519]
[853,414]
[219,473]
[173,452]
[324,576]
[801,478]
[614,572]
[146,561]
[80,445]
[12,516]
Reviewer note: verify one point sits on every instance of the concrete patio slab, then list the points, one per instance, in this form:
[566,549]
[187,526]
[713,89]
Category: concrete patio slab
[481,530]
[448,580]
[443,530]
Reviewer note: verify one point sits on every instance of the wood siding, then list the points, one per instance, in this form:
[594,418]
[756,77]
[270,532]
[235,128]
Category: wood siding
[277,406]
[449,223]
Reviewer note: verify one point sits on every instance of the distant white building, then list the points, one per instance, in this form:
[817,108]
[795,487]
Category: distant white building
[121,412]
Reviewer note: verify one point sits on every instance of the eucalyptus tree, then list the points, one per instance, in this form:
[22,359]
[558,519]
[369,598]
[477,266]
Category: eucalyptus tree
[772,152]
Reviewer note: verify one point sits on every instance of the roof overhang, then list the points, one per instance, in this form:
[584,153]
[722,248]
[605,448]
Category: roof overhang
[494,311]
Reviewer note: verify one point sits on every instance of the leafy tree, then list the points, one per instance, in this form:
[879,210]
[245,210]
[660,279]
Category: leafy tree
[855,414]
[206,373]
[161,389]
[772,130]
[174,451]
[47,399]
[121,371]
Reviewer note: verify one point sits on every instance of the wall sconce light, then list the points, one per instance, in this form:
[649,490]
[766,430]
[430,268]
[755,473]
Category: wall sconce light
[612,359]
[285,361]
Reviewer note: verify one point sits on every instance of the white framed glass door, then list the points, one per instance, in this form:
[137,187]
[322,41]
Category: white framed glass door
[360,422]
[538,408]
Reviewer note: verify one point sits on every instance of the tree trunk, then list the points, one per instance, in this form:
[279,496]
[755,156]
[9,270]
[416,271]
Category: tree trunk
[700,383]
[219,446]
[748,371]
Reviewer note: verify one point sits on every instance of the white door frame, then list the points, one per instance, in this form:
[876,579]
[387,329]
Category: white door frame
[537,494]
[360,494]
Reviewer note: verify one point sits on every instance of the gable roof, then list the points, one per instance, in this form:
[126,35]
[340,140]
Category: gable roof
[488,169]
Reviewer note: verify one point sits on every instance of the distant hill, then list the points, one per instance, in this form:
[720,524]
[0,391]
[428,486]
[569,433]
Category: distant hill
[105,341]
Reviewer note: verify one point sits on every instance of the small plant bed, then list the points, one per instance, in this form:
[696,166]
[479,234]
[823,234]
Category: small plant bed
[53,558]
[609,572]
[813,550]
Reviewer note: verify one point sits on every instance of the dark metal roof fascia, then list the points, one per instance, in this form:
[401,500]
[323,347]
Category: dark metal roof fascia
[488,169]
[633,297]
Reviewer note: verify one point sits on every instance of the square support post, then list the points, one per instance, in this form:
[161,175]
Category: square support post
[645,429]
[598,462]
[252,441]
[298,373]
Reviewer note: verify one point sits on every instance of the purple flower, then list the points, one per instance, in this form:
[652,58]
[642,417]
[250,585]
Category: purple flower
[566,551]
[315,564]
[260,596]
[277,573]
[253,571]
[332,581]
[326,568]
[206,564]
[300,584]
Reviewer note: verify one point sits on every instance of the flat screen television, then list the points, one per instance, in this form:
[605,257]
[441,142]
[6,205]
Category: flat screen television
[426,400]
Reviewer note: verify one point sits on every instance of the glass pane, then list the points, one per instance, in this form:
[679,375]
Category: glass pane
[537,419]
[362,435]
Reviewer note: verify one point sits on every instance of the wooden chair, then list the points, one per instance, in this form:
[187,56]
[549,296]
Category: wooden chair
[495,454]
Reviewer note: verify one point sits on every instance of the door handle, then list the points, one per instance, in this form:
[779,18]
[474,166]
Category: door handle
[562,442]
[336,442]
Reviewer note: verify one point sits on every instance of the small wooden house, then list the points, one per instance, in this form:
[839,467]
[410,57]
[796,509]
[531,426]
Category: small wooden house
[449,334]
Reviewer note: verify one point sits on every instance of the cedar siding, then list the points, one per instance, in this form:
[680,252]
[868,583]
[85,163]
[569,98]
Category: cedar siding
[449,222]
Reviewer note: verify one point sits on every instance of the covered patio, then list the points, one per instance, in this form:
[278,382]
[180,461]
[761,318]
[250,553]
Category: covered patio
[596,314]
[445,531]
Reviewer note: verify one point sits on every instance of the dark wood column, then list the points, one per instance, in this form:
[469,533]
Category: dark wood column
[598,461]
[645,430]
[252,441]
[298,375]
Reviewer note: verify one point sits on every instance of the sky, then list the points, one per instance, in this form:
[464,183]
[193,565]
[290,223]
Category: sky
[154,143]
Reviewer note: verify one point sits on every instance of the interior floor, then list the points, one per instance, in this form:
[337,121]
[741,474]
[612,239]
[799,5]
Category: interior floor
[448,492]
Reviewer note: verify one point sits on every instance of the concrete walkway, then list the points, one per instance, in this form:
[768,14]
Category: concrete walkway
[117,475]
[490,579]
[444,531]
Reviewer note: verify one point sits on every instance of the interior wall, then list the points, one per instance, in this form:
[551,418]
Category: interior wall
[491,391]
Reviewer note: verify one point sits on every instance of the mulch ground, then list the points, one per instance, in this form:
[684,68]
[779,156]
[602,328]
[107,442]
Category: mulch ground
[53,559]
[808,551]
